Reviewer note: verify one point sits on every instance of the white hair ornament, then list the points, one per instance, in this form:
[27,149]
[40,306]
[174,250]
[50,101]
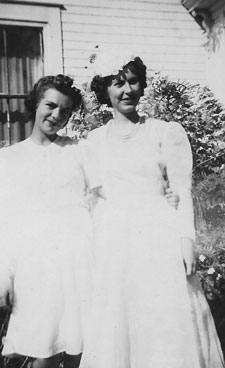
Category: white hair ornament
[109,61]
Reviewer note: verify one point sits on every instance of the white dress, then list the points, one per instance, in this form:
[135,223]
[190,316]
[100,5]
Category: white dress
[146,313]
[46,244]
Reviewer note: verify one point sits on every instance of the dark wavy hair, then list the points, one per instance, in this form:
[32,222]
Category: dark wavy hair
[99,84]
[61,83]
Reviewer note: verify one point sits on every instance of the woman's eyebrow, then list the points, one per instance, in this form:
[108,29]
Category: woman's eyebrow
[51,102]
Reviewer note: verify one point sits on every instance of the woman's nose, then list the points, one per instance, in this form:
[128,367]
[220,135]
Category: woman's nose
[128,88]
[56,113]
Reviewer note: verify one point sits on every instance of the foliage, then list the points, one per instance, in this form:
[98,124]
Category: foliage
[209,201]
[209,205]
[202,116]
[90,116]
[211,270]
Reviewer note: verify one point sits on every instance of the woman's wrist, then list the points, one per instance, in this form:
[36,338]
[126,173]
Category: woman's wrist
[187,241]
[189,255]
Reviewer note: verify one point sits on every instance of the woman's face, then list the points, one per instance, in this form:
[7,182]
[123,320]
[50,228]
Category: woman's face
[53,112]
[124,91]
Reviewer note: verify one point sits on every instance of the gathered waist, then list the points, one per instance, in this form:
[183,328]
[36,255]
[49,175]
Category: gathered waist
[156,206]
[136,199]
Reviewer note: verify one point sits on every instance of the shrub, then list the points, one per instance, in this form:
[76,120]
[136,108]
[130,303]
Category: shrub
[196,108]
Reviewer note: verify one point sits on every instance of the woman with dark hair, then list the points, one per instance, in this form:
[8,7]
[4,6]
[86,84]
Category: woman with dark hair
[46,250]
[61,83]
[148,306]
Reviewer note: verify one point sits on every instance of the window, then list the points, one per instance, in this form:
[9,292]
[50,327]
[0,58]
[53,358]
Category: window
[21,64]
[30,47]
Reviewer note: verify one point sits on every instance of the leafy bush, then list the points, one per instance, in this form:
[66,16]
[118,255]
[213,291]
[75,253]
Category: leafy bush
[211,270]
[198,111]
[209,197]
[90,116]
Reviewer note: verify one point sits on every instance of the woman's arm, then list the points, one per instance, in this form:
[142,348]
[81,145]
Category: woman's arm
[92,174]
[189,256]
[172,197]
[6,289]
[178,158]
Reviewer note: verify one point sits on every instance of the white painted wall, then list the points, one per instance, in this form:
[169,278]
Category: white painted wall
[216,55]
[163,32]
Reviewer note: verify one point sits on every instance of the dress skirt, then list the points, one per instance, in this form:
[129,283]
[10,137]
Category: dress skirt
[52,282]
[146,312]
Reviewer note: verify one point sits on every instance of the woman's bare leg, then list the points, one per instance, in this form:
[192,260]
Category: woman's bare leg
[71,361]
[52,362]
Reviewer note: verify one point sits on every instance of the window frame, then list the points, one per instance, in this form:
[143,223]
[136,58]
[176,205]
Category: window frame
[42,15]
[45,16]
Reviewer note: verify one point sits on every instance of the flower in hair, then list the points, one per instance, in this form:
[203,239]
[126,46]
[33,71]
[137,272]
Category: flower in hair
[110,61]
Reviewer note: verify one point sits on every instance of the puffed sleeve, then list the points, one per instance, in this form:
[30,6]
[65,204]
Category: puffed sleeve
[90,164]
[177,156]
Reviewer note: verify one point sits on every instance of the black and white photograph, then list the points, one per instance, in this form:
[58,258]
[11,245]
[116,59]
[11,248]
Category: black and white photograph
[112,183]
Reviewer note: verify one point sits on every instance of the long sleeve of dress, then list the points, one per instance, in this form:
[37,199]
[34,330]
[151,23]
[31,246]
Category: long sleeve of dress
[178,161]
[7,258]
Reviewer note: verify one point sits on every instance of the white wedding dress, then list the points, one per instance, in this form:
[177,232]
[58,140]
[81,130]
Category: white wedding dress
[146,313]
[46,244]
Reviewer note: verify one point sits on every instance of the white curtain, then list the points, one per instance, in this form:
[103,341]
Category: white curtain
[24,67]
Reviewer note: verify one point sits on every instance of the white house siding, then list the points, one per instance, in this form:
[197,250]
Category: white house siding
[163,33]
[216,51]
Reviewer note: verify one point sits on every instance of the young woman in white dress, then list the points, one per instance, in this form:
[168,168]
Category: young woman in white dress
[148,307]
[46,231]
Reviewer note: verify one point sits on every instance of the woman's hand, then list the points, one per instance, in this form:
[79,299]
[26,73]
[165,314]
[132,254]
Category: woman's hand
[6,292]
[189,256]
[93,197]
[172,197]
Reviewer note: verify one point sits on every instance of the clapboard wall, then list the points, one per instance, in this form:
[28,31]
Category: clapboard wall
[165,35]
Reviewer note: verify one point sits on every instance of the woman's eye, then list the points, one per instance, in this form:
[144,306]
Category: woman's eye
[66,111]
[134,81]
[50,106]
[119,84]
